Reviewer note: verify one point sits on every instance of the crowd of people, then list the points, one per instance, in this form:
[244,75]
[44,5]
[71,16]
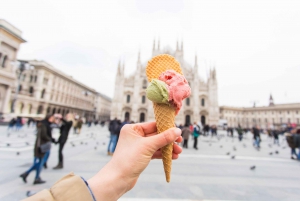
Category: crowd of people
[44,140]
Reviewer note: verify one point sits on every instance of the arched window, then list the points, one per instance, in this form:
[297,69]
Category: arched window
[31,78]
[187,101]
[128,98]
[20,88]
[142,117]
[31,90]
[53,110]
[4,61]
[145,84]
[24,77]
[48,110]
[21,108]
[40,109]
[127,116]
[58,111]
[187,120]
[143,99]
[35,78]
[0,55]
[203,102]
[43,93]
[29,108]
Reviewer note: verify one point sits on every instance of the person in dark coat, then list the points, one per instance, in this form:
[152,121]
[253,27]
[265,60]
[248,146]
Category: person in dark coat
[42,138]
[186,132]
[114,129]
[48,123]
[256,136]
[240,132]
[292,142]
[67,123]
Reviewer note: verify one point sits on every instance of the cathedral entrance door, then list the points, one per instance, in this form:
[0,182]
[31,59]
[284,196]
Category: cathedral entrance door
[187,119]
[127,116]
[142,117]
[203,120]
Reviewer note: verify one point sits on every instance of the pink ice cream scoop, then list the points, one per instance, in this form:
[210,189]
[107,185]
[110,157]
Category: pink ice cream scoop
[177,86]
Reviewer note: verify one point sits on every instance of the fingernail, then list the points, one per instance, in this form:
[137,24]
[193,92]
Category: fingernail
[177,131]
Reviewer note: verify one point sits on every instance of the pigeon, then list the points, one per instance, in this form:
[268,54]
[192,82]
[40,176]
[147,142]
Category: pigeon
[103,143]
[270,145]
[86,143]
[8,144]
[234,149]
[27,143]
[228,153]
[232,157]
[221,146]
[81,142]
[252,167]
[283,147]
[276,152]
[209,144]
[18,153]
[270,153]
[95,148]
[97,143]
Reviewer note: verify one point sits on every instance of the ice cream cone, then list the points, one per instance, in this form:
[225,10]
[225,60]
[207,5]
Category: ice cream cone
[165,119]
[164,113]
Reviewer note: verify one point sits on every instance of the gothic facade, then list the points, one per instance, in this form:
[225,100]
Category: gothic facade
[130,100]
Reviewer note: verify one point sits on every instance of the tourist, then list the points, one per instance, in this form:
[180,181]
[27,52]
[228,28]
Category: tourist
[64,132]
[41,150]
[256,136]
[114,129]
[11,125]
[186,132]
[240,132]
[196,133]
[136,148]
[291,138]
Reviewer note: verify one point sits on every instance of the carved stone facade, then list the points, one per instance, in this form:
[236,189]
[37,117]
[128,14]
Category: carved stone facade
[130,92]
[43,89]
[265,117]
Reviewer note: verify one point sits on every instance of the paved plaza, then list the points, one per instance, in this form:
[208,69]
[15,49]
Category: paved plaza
[219,170]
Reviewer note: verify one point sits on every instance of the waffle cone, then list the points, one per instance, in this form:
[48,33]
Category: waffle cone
[164,114]
[165,119]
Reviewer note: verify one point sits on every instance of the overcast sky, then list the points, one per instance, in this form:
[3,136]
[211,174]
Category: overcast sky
[254,44]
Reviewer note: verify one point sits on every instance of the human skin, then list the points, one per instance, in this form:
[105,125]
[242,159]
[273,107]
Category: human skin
[137,145]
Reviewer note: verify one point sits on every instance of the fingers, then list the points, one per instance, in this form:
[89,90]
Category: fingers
[176,151]
[148,127]
[164,138]
[179,139]
[157,155]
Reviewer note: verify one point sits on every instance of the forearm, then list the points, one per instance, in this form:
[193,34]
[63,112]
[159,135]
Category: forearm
[109,184]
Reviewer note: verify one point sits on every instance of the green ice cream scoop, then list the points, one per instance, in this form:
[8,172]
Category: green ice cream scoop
[157,92]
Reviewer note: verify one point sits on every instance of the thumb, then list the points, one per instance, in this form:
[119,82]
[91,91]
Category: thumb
[162,139]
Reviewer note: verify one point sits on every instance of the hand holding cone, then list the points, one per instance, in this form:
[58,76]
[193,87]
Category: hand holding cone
[167,97]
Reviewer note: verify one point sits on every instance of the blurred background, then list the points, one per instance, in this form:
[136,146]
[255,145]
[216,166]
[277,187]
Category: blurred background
[88,59]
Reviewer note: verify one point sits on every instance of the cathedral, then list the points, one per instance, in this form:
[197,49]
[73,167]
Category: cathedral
[130,99]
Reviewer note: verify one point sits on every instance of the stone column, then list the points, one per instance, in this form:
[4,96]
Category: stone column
[5,105]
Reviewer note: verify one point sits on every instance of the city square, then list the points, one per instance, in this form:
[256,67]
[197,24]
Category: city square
[92,91]
[209,173]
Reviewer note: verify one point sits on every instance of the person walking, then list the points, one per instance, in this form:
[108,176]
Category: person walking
[113,129]
[41,151]
[79,125]
[256,136]
[11,125]
[239,130]
[64,132]
[196,133]
[186,132]
[291,140]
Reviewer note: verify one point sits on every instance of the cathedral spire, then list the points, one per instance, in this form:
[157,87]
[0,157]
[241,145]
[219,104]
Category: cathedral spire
[196,63]
[119,68]
[154,44]
[123,69]
[158,45]
[182,45]
[139,57]
[177,46]
[271,101]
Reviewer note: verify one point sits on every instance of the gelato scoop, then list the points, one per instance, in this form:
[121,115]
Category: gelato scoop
[171,88]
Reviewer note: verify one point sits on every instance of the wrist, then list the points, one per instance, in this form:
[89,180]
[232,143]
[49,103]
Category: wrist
[109,183]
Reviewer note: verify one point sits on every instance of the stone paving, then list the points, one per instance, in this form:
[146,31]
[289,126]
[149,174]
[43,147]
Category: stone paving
[219,170]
